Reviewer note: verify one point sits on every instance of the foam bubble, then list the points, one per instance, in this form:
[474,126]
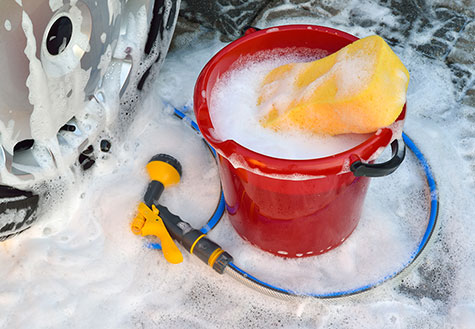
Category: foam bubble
[55,4]
[353,71]
[7,25]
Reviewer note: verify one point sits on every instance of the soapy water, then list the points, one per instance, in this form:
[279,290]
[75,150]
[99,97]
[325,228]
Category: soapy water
[81,266]
[235,115]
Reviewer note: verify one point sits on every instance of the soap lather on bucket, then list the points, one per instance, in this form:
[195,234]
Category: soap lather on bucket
[358,89]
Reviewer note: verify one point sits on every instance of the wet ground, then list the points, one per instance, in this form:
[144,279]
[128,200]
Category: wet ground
[84,268]
[440,34]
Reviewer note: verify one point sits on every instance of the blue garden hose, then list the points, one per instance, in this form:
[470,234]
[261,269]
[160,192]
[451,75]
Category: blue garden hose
[268,288]
[218,213]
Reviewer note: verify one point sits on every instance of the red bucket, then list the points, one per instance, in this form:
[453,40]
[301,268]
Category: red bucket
[292,208]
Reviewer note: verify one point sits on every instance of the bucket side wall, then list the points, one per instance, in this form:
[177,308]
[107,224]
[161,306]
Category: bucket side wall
[290,218]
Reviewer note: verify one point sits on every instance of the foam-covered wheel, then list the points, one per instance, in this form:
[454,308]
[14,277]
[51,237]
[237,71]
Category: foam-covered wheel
[17,211]
[62,65]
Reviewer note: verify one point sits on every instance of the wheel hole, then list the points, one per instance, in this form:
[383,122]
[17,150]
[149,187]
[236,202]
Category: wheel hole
[23,158]
[59,35]
[23,145]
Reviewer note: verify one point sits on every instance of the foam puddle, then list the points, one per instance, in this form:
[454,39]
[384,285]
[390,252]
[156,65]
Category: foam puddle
[80,266]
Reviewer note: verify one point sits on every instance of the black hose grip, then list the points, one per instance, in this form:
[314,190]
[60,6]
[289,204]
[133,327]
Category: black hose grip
[398,148]
[153,193]
[204,248]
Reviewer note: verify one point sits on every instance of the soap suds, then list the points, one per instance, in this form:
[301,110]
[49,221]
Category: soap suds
[7,25]
[235,115]
[55,4]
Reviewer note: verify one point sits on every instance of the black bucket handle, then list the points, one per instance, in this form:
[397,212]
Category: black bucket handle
[398,149]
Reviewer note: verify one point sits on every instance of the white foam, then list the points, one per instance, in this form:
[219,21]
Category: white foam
[353,72]
[8,25]
[114,9]
[235,115]
[55,4]
[275,29]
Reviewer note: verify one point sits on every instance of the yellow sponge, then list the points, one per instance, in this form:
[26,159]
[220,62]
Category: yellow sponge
[358,89]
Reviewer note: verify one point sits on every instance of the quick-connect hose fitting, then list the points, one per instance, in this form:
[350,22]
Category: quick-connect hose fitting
[195,241]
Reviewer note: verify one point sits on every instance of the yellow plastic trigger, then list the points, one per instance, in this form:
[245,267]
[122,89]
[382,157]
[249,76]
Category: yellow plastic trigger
[154,226]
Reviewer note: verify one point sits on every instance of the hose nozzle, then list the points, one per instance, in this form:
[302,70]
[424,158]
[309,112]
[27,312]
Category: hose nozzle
[155,219]
[164,170]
